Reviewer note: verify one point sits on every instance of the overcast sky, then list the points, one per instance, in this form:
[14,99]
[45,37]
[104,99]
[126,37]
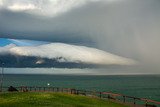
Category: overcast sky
[127,28]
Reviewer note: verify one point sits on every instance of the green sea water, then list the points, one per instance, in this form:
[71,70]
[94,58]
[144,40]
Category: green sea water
[143,86]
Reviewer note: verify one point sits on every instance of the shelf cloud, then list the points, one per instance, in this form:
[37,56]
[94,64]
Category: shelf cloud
[67,53]
[128,28]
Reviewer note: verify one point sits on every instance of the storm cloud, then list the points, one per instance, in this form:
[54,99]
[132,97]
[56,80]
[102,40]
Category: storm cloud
[128,28]
[67,53]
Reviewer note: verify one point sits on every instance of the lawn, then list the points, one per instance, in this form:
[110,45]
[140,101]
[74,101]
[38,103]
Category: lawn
[38,99]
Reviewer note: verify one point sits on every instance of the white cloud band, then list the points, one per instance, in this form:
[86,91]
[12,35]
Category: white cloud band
[68,53]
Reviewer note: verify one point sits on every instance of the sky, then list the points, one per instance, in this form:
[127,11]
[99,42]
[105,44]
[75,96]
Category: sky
[6,41]
[125,28]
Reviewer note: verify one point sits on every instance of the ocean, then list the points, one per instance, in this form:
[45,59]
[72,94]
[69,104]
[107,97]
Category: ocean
[143,86]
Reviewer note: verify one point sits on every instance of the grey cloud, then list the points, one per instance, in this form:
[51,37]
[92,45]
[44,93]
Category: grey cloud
[128,28]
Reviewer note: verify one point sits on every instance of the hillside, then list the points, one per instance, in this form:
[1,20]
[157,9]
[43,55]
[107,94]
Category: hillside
[52,100]
[11,61]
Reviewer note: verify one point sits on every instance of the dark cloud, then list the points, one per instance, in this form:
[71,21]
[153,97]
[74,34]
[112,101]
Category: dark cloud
[128,28]
[24,26]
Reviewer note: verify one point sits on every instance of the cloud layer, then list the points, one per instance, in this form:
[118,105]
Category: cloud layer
[43,7]
[128,28]
[68,53]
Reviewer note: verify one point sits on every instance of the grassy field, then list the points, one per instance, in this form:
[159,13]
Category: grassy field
[31,99]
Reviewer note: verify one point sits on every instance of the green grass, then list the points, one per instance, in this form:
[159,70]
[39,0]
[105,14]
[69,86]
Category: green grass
[32,99]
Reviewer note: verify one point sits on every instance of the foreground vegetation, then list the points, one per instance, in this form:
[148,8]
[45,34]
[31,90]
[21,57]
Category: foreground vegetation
[32,99]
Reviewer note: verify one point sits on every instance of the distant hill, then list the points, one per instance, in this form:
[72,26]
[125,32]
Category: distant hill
[32,62]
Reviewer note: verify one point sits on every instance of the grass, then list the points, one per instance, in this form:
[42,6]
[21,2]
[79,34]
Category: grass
[32,99]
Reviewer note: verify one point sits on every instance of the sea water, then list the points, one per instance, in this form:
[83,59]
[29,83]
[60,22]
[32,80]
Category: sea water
[143,86]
